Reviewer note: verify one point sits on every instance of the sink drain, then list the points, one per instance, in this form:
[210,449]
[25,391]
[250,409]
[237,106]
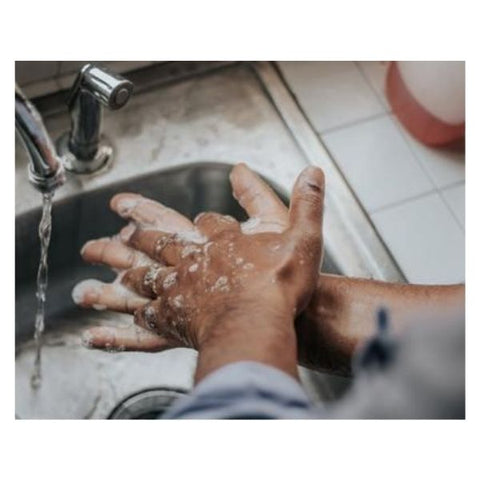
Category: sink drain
[147,404]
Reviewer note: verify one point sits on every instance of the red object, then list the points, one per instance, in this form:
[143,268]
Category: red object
[422,124]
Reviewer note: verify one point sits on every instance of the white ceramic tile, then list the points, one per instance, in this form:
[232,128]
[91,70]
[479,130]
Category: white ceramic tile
[332,94]
[445,166]
[376,73]
[425,240]
[455,197]
[377,163]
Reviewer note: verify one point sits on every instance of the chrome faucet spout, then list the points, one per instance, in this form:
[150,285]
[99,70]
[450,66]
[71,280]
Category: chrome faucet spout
[45,170]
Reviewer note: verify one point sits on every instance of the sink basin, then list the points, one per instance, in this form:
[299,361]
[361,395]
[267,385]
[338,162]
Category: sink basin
[79,383]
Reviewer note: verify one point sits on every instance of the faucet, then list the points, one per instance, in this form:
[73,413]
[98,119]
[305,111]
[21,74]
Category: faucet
[45,170]
[82,150]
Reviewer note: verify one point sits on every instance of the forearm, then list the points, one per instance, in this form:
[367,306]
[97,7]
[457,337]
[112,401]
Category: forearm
[258,336]
[343,310]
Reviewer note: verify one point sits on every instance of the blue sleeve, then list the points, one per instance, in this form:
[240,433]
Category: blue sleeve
[244,390]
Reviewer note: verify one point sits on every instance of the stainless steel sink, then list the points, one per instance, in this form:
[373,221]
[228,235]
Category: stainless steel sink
[78,382]
[242,112]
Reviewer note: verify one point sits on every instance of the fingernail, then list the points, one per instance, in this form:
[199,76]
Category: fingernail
[199,216]
[125,204]
[313,178]
[99,307]
[82,289]
[82,251]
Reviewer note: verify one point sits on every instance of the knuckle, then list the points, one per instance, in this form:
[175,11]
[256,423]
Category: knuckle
[249,195]
[133,258]
[126,277]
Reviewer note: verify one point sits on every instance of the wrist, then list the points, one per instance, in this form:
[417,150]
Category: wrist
[245,313]
[326,341]
[263,335]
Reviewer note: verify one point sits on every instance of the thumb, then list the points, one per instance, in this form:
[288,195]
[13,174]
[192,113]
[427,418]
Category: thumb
[306,205]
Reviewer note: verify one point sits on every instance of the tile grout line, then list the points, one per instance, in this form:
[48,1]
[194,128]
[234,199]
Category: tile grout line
[372,88]
[412,151]
[450,209]
[455,184]
[392,117]
[353,123]
[433,187]
[418,197]
[402,202]
[437,189]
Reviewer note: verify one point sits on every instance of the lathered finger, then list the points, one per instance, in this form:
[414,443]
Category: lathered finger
[114,253]
[165,247]
[149,213]
[101,296]
[148,316]
[212,223]
[164,317]
[116,339]
[149,281]
[259,201]
[306,209]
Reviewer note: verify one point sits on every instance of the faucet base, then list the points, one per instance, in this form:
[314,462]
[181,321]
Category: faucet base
[101,161]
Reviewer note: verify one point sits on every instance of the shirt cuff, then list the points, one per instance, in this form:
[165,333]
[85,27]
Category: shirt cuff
[244,390]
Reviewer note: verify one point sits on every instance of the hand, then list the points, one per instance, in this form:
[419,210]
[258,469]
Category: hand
[282,264]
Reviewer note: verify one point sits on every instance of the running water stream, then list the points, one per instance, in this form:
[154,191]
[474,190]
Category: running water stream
[44,231]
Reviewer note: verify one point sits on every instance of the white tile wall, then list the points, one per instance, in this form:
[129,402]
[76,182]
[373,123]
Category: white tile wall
[444,166]
[377,163]
[332,94]
[415,195]
[425,239]
[455,198]
[375,73]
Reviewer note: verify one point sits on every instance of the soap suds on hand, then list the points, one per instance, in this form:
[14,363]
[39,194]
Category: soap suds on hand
[150,317]
[170,280]
[189,250]
[126,204]
[178,301]
[82,288]
[248,226]
[193,236]
[221,285]
[206,247]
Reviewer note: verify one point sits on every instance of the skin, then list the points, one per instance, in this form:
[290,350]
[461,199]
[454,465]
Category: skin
[341,312]
[205,279]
